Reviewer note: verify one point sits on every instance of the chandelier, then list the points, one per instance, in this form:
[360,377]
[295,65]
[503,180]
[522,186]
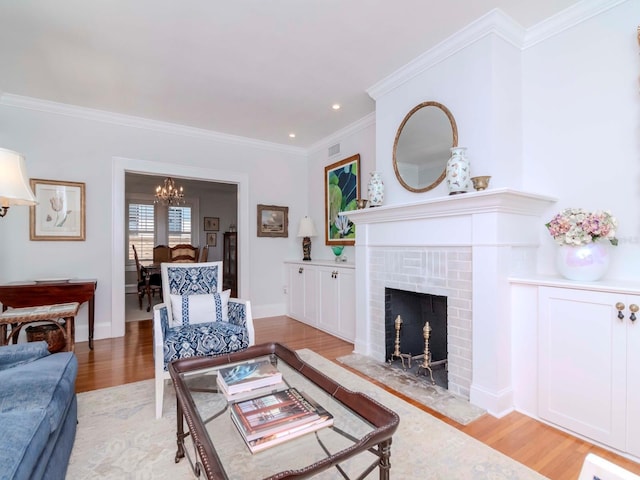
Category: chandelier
[168,193]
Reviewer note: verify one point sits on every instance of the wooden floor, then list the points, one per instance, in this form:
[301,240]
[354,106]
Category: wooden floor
[551,452]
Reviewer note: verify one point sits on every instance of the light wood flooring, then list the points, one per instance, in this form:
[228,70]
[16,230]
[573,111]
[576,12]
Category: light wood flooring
[547,450]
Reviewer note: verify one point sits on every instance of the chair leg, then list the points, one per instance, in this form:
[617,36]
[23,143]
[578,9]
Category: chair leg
[140,299]
[159,396]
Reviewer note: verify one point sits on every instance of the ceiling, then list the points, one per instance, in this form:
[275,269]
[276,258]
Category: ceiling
[254,68]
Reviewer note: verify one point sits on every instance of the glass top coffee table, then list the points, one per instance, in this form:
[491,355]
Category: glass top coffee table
[358,442]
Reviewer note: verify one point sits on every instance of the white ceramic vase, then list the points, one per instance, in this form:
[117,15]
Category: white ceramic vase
[458,172]
[375,190]
[586,263]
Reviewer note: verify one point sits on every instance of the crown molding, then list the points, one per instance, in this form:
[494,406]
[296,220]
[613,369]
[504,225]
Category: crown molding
[84,113]
[566,19]
[358,125]
[495,22]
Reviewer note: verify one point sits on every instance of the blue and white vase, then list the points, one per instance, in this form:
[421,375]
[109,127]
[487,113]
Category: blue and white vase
[458,173]
[375,190]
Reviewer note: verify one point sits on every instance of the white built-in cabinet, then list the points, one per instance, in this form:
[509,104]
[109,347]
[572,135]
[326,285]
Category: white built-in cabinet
[589,364]
[322,294]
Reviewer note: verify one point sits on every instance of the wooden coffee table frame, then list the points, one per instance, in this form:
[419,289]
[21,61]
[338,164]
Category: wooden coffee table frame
[378,442]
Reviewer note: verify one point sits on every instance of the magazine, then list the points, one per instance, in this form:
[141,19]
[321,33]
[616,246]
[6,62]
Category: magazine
[268,441]
[248,376]
[274,413]
[256,392]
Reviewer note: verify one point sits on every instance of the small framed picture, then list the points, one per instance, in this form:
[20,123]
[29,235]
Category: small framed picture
[211,224]
[273,221]
[212,239]
[60,212]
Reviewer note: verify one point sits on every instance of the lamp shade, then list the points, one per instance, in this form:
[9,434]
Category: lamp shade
[307,228]
[14,187]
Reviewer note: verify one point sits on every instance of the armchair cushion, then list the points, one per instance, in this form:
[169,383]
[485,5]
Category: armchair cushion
[19,354]
[204,339]
[192,309]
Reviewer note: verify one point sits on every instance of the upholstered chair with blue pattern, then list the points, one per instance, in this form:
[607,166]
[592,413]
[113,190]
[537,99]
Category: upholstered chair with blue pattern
[196,319]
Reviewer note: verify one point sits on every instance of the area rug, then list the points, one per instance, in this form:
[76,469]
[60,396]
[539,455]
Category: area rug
[119,438]
[416,388]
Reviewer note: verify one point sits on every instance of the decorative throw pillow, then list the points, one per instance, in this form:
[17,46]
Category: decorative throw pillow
[200,308]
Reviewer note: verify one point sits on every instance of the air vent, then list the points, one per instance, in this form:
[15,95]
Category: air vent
[334,149]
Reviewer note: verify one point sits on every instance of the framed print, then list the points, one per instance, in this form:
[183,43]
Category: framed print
[60,212]
[341,191]
[273,221]
[211,224]
[212,239]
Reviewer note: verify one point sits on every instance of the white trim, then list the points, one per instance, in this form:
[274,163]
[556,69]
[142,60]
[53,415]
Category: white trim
[47,106]
[566,19]
[351,129]
[122,165]
[494,22]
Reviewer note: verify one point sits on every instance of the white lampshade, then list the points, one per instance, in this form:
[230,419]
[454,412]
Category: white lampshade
[14,186]
[307,228]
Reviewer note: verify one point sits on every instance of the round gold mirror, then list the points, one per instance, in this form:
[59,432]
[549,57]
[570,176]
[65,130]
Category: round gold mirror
[422,146]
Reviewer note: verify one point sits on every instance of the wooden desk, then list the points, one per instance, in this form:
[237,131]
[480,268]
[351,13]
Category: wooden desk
[33,294]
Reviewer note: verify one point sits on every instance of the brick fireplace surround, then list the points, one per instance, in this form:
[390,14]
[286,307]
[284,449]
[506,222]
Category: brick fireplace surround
[463,247]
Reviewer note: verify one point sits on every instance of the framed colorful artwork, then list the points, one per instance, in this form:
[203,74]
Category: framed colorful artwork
[60,212]
[341,192]
[273,221]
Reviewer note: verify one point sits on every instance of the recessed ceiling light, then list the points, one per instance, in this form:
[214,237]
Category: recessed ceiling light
[336,106]
[292,135]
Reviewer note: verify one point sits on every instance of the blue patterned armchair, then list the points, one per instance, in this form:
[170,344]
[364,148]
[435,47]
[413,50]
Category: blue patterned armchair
[196,319]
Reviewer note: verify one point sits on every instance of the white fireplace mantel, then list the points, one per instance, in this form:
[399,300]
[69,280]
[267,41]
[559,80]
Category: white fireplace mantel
[502,200]
[466,246]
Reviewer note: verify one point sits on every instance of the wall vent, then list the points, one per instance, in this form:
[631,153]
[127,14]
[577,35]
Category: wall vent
[334,149]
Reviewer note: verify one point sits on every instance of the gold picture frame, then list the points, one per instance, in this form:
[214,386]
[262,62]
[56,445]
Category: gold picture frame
[273,221]
[60,213]
[341,194]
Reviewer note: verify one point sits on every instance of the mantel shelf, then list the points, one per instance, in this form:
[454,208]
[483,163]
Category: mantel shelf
[502,200]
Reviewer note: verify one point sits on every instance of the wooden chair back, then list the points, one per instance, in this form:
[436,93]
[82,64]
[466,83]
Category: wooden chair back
[138,266]
[184,253]
[204,254]
[161,253]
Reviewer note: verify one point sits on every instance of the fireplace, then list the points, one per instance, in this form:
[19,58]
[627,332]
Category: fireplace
[406,343]
[464,248]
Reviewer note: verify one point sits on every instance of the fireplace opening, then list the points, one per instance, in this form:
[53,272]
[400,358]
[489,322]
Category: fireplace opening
[406,336]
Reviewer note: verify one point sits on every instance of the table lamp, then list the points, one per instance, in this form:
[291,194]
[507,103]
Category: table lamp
[306,230]
[14,187]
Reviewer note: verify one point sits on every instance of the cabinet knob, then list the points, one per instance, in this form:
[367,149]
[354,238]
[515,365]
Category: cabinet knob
[634,309]
[620,307]
[300,270]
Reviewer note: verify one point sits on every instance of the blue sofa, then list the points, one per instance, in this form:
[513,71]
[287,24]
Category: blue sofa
[38,411]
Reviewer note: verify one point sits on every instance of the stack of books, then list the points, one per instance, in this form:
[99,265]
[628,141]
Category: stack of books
[277,417]
[249,379]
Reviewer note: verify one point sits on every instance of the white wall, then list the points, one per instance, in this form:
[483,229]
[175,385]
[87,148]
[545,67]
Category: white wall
[60,145]
[358,138]
[581,104]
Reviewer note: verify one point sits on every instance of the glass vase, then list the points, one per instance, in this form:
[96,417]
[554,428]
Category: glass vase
[586,263]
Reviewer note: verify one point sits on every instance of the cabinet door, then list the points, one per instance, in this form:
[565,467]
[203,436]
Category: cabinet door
[633,375]
[296,292]
[328,319]
[582,363]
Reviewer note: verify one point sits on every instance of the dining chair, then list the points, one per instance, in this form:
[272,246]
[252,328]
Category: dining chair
[184,253]
[204,254]
[155,281]
[161,254]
